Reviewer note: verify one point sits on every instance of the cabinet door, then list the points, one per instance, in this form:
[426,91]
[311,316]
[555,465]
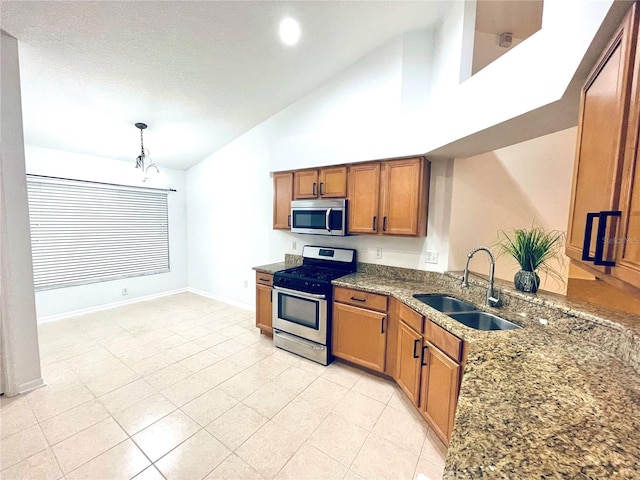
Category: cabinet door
[264,308]
[409,361]
[305,184]
[627,242]
[404,194]
[283,190]
[359,336]
[439,396]
[600,149]
[364,189]
[333,182]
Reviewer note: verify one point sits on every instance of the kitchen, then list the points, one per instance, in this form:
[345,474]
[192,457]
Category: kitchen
[351,119]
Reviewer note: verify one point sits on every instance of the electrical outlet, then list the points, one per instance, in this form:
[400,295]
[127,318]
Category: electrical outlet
[294,245]
[431,256]
[246,284]
[378,253]
[125,291]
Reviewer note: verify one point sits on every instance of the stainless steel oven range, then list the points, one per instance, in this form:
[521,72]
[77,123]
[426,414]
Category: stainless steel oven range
[302,301]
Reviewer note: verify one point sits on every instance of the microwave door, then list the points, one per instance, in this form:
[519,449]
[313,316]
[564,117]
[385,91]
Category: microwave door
[310,220]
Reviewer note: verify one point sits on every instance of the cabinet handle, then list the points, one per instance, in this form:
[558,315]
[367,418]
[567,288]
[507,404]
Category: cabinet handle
[358,299]
[415,345]
[314,189]
[382,324]
[264,279]
[271,297]
[423,356]
[321,192]
[384,224]
[586,245]
[289,221]
[375,224]
[601,237]
[598,258]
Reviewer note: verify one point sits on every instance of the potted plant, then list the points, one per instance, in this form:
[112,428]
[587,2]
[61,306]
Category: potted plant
[532,249]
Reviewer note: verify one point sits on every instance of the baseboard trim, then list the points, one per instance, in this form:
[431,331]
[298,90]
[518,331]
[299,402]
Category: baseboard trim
[107,306]
[220,298]
[31,385]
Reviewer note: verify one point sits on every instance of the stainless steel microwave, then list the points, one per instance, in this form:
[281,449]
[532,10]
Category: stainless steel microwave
[319,217]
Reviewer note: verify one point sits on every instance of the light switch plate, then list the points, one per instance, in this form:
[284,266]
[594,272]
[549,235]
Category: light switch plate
[431,256]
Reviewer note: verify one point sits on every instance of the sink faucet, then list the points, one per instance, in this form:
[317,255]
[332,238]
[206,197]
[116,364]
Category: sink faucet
[493,296]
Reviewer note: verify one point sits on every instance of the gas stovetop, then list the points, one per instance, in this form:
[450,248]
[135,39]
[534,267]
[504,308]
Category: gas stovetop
[320,266]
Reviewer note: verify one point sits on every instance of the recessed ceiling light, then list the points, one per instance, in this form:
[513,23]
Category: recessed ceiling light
[289,31]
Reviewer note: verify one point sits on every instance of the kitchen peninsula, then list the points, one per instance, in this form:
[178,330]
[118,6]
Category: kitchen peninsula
[558,397]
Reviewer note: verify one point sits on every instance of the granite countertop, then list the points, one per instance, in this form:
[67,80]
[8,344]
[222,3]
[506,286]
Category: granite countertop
[560,400]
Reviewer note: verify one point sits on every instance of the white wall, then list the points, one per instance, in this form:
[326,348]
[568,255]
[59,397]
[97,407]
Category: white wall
[387,104]
[229,212]
[19,352]
[511,188]
[63,301]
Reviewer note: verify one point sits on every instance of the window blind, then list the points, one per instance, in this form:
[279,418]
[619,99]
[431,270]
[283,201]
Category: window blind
[84,232]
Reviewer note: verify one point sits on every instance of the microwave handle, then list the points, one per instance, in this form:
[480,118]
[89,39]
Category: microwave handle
[328,219]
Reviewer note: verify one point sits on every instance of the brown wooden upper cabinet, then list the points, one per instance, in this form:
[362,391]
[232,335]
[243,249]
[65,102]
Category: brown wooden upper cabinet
[282,195]
[329,182]
[389,197]
[604,218]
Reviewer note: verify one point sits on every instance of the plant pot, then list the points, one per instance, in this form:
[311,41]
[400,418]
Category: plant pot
[526,281]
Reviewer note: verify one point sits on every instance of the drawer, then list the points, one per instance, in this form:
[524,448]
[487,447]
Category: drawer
[411,318]
[445,341]
[358,298]
[264,279]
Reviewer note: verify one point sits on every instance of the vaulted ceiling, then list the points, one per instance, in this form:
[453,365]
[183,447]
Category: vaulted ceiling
[199,73]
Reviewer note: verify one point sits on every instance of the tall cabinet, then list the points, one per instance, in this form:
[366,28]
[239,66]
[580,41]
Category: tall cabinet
[604,219]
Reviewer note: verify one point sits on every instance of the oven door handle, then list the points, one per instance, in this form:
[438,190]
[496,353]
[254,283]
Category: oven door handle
[299,293]
[328,220]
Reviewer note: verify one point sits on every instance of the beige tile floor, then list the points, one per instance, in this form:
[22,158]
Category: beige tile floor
[184,387]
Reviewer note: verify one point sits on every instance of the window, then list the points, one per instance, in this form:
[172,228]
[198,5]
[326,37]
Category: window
[86,232]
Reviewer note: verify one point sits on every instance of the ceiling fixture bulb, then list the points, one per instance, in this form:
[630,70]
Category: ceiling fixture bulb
[289,31]
[143,161]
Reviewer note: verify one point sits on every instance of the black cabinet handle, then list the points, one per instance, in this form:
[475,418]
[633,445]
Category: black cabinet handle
[588,230]
[598,258]
[289,221]
[384,224]
[601,237]
[375,224]
[271,298]
[382,324]
[358,299]
[314,189]
[423,356]
[264,279]
[321,192]
[415,345]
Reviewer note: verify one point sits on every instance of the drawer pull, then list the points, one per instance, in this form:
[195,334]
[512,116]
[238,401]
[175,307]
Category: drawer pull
[355,299]
[264,279]
[415,345]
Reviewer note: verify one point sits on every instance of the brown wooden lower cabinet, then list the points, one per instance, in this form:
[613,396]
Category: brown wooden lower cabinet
[359,336]
[422,357]
[439,393]
[264,302]
[409,360]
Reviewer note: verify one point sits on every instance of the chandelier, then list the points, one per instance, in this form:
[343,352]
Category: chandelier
[143,161]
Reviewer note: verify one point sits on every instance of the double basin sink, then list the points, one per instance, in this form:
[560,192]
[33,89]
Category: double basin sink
[465,313]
